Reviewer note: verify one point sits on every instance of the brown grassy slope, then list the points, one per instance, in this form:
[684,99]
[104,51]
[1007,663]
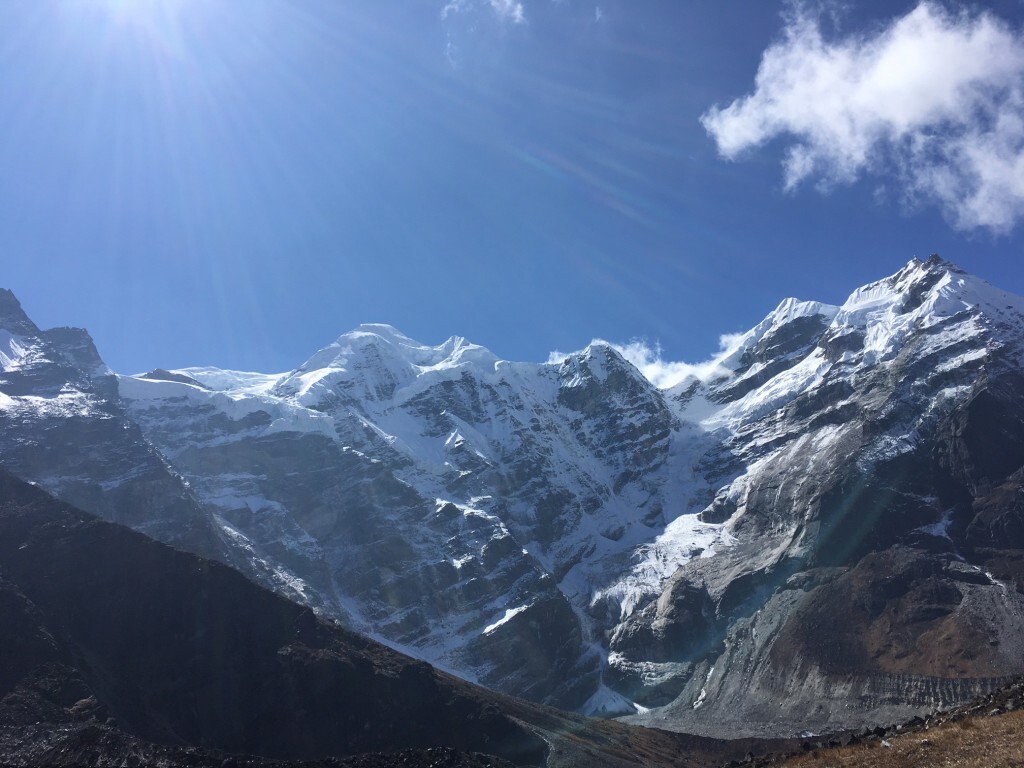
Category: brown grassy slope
[975,742]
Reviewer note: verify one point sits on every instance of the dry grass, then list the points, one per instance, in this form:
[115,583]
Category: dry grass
[990,742]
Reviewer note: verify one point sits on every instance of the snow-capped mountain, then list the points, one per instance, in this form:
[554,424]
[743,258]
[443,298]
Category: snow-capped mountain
[455,505]
[829,516]
[876,521]
[64,427]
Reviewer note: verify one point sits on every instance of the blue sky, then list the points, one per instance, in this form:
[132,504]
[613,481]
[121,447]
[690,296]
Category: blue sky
[217,182]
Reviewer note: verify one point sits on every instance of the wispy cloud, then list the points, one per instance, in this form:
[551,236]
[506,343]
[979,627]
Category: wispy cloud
[509,9]
[935,99]
[506,10]
[648,359]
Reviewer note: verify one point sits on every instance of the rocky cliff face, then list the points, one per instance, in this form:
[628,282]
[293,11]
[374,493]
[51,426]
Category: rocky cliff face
[829,518]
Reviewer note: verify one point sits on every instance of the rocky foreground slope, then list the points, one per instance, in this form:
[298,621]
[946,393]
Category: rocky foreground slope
[829,515]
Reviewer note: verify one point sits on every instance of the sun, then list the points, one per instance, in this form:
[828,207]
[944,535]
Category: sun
[164,31]
[148,17]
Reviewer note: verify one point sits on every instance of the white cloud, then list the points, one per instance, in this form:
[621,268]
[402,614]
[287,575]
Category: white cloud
[935,98]
[452,6]
[664,373]
[506,10]
[509,9]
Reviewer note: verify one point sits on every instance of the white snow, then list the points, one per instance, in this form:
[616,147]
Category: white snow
[236,403]
[776,392]
[684,538]
[12,349]
[959,361]
[510,613]
[704,690]
[63,405]
[788,310]
[375,359]
[239,382]
[1003,589]
[138,389]
[606,702]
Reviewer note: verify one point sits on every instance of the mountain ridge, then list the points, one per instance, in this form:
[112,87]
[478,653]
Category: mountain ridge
[574,534]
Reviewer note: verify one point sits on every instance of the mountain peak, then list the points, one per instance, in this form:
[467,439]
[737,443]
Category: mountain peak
[598,360]
[455,350]
[402,349]
[382,331]
[12,316]
[935,260]
[919,271]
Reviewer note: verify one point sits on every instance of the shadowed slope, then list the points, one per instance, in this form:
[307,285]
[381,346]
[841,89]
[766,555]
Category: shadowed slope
[100,622]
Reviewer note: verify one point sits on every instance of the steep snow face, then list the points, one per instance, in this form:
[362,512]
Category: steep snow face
[372,362]
[900,352]
[761,344]
[233,382]
[922,297]
[800,345]
[845,433]
[13,349]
